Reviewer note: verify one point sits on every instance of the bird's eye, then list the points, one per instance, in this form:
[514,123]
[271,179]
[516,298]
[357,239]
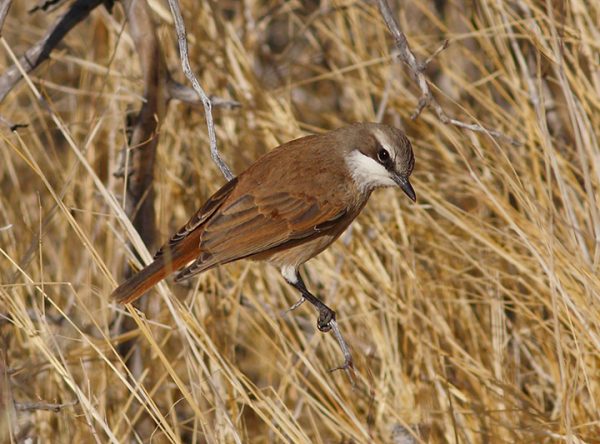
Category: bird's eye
[383,155]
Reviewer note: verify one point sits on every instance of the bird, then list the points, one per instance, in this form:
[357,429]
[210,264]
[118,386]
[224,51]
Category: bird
[285,208]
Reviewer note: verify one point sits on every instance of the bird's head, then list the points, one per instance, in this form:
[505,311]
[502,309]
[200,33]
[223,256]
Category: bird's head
[381,156]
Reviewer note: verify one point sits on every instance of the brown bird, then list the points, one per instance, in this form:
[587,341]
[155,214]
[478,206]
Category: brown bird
[286,208]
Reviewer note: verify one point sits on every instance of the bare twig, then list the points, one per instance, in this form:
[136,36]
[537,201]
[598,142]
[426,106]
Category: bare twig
[185,63]
[416,70]
[428,60]
[6,227]
[348,364]
[4,7]
[46,5]
[32,406]
[177,91]
[34,317]
[40,51]
[10,125]
[406,55]
[139,204]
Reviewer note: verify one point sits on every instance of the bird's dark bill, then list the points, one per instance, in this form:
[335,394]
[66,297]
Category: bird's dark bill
[405,185]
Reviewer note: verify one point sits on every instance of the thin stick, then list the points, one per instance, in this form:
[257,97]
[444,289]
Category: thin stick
[4,7]
[40,51]
[32,406]
[428,60]
[48,5]
[348,364]
[187,70]
[10,125]
[188,95]
[416,70]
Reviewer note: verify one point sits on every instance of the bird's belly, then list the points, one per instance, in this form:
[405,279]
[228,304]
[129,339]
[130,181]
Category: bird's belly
[297,255]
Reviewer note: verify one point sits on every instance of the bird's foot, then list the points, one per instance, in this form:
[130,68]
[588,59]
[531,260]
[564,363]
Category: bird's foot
[348,365]
[326,317]
[325,322]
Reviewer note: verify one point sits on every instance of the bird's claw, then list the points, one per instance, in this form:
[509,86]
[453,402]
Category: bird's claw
[348,365]
[326,316]
[296,304]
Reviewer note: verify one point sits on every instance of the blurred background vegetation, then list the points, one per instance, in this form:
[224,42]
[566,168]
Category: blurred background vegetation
[473,315]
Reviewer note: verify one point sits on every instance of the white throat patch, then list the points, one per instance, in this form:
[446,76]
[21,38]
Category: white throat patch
[367,173]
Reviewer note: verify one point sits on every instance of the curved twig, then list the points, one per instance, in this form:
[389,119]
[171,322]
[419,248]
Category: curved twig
[187,70]
[4,7]
[416,71]
[188,95]
[50,407]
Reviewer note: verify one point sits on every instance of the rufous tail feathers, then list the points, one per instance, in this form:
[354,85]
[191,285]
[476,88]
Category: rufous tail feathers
[138,284]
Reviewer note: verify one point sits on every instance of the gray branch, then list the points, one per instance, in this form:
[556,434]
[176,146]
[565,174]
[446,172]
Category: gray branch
[185,64]
[40,51]
[188,95]
[33,406]
[416,71]
[4,7]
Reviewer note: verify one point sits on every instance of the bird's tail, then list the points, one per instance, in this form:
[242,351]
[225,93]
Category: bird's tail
[138,284]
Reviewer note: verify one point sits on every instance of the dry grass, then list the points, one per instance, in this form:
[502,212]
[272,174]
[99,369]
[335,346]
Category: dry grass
[473,316]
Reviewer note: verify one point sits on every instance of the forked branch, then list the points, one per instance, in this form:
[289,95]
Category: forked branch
[417,72]
[41,50]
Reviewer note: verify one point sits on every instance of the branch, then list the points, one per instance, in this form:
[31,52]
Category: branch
[348,364]
[10,125]
[185,64]
[32,406]
[429,59]
[40,51]
[4,7]
[416,71]
[139,163]
[34,317]
[177,91]
[45,5]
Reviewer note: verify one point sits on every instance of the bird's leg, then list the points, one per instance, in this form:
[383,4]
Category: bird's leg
[326,314]
[326,320]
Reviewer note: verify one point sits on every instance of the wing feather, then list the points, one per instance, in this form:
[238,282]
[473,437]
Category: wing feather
[201,216]
[255,224]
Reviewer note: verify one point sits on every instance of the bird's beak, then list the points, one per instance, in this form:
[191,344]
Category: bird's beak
[406,186]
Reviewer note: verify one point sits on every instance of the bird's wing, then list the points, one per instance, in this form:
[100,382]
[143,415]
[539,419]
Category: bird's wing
[258,222]
[201,216]
[181,249]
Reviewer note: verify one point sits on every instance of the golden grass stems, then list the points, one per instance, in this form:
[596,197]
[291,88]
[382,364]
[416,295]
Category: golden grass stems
[473,315]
